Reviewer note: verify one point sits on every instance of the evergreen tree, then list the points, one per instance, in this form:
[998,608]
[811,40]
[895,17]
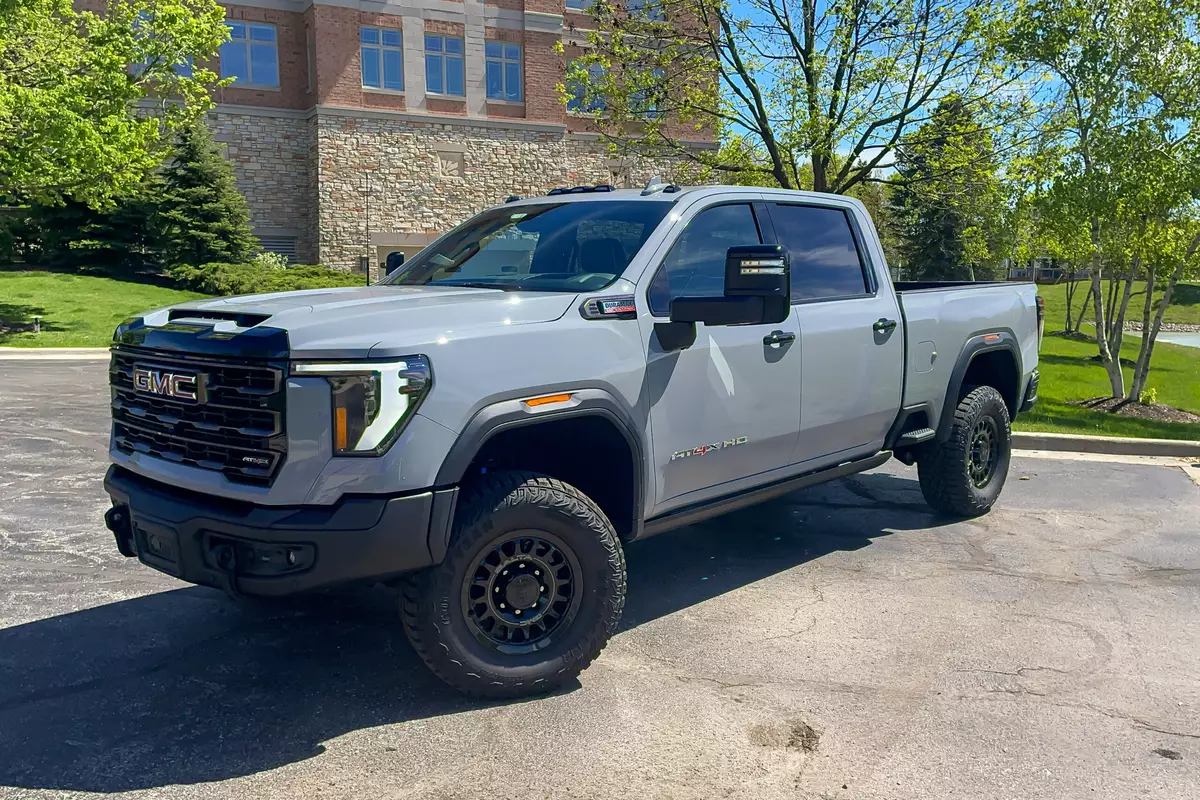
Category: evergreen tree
[202,217]
[947,197]
[120,238]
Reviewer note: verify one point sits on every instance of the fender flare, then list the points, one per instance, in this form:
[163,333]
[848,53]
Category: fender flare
[1002,339]
[506,415]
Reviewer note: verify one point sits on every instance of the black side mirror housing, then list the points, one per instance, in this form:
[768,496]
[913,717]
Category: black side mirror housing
[757,290]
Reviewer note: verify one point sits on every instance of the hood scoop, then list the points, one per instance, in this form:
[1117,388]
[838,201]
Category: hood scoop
[242,319]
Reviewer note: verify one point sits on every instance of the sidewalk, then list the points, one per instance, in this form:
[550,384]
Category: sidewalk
[53,354]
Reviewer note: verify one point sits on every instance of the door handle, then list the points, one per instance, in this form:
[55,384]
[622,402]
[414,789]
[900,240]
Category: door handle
[778,337]
[884,325]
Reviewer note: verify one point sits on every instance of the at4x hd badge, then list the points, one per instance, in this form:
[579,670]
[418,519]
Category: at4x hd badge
[705,449]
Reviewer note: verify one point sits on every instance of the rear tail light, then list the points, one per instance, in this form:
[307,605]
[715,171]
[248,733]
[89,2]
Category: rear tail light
[1041,312]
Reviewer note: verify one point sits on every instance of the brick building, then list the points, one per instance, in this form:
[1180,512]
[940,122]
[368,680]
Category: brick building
[362,127]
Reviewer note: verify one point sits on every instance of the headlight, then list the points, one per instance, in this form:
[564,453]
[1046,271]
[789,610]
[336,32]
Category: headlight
[372,400]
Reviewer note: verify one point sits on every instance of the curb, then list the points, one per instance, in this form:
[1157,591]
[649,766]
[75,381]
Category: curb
[53,354]
[1112,445]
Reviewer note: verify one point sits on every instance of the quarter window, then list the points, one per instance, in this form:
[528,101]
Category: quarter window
[825,258]
[251,56]
[503,71]
[444,65]
[695,266]
[382,56]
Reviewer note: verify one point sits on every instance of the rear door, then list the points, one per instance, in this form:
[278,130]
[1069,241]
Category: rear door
[851,334]
[725,408]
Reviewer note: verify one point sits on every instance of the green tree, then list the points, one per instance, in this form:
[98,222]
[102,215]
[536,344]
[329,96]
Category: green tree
[823,90]
[1123,77]
[88,102]
[948,199]
[202,216]
[118,238]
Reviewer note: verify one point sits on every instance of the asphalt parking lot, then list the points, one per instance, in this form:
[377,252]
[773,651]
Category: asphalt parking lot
[839,643]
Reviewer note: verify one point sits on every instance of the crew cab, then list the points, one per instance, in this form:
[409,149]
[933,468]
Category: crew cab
[555,378]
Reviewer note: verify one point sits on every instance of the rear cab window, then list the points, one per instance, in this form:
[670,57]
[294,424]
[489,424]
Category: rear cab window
[826,263]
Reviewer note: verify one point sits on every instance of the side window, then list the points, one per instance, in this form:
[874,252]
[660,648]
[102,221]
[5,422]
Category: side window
[825,259]
[695,266]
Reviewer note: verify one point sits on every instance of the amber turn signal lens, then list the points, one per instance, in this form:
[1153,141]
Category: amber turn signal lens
[340,436]
[550,398]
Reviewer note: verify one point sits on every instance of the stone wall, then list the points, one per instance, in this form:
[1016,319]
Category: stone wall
[270,156]
[425,177]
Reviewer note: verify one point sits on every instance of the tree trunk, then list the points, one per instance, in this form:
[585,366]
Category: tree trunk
[820,174]
[1072,286]
[1112,365]
[1150,331]
[1143,357]
[1117,338]
[1110,308]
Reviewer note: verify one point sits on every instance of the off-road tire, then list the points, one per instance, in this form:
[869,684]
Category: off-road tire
[431,600]
[945,469]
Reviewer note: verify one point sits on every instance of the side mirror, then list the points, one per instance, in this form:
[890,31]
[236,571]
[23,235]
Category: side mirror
[757,290]
[394,261]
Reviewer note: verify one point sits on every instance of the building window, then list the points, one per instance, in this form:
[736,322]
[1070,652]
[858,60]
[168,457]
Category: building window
[647,9]
[503,71]
[648,101]
[444,65]
[580,5]
[580,102]
[382,58]
[251,56]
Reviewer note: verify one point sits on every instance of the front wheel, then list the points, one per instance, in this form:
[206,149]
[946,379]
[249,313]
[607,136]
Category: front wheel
[963,476]
[531,589]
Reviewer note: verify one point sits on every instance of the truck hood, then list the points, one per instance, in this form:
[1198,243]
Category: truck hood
[369,321]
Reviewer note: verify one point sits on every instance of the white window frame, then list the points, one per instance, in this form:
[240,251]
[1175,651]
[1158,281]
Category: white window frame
[446,56]
[381,48]
[504,61]
[245,43]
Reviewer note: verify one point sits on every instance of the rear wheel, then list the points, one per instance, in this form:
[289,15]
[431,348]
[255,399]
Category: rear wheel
[531,589]
[963,476]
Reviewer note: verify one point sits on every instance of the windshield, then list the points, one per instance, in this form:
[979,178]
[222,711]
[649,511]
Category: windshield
[550,247]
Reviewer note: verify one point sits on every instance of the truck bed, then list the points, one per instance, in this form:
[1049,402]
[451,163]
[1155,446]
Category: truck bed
[940,316]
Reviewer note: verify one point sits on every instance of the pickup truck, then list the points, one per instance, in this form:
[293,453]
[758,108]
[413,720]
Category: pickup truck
[559,376]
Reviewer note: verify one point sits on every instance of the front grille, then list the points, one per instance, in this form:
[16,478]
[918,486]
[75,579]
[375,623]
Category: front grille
[235,428]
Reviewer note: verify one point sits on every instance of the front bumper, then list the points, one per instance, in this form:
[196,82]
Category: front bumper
[271,550]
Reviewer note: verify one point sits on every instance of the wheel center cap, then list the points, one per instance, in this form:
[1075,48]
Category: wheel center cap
[523,591]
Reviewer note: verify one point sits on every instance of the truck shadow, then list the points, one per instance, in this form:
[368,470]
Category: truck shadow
[184,687]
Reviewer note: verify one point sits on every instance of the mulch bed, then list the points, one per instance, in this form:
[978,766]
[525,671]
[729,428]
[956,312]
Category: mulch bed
[1159,412]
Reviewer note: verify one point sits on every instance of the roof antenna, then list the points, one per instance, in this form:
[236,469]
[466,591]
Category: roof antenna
[654,186]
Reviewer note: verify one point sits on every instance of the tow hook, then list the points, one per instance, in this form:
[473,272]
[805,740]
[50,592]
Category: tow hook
[116,519]
[225,558]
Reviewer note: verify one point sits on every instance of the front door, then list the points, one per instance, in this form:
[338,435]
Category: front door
[726,407]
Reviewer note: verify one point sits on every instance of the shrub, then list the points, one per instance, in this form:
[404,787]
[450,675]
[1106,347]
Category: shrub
[1149,396]
[268,260]
[227,279]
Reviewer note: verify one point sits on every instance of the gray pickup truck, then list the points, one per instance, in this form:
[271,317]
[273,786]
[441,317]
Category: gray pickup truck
[552,379]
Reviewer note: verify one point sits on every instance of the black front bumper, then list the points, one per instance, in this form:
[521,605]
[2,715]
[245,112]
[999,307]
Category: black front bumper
[271,550]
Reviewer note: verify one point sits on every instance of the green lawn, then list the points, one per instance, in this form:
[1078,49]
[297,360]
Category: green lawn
[1068,375]
[76,310]
[1184,308]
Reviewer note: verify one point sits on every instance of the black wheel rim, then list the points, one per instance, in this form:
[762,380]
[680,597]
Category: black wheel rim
[522,592]
[984,454]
